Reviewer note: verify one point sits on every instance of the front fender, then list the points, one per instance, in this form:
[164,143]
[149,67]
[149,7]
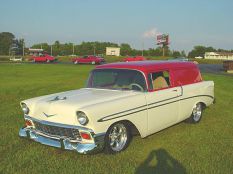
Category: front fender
[103,115]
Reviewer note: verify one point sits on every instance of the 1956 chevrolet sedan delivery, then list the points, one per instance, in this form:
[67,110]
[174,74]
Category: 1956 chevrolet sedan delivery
[120,99]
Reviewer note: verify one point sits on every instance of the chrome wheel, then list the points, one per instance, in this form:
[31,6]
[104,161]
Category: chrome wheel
[197,112]
[93,62]
[118,137]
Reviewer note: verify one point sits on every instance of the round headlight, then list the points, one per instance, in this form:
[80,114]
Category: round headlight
[25,108]
[82,118]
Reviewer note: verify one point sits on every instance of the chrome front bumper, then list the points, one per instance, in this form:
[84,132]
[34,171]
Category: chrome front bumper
[83,148]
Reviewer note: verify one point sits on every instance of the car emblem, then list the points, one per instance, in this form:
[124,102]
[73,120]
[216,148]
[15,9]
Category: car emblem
[58,98]
[48,115]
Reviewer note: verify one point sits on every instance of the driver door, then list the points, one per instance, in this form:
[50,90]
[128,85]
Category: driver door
[162,103]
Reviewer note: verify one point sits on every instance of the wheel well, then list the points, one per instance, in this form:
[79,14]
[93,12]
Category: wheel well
[133,129]
[203,105]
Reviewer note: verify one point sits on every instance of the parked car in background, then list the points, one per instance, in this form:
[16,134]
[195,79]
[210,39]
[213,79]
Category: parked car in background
[199,57]
[16,59]
[135,58]
[88,60]
[182,59]
[42,58]
[120,99]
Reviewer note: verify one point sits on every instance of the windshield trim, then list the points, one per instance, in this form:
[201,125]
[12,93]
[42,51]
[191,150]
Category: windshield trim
[146,90]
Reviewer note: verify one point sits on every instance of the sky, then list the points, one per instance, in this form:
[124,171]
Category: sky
[137,22]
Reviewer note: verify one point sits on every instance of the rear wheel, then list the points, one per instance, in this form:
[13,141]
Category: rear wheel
[196,114]
[117,138]
[48,61]
[76,62]
[93,62]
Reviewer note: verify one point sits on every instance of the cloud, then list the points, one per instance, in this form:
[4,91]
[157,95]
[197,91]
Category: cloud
[151,33]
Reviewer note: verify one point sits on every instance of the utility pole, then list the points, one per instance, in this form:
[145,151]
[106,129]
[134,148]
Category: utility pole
[23,48]
[94,48]
[51,50]
[73,50]
[142,47]
[163,50]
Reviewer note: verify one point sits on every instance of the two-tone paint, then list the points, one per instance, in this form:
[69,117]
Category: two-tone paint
[149,111]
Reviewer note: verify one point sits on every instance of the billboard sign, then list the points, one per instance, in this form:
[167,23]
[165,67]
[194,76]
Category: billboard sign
[162,39]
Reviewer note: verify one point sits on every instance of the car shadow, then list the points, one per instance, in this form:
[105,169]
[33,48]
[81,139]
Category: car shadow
[165,163]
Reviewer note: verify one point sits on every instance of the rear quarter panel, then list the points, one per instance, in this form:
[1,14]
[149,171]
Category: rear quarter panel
[194,93]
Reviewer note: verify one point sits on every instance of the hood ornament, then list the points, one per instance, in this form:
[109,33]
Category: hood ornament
[48,115]
[58,98]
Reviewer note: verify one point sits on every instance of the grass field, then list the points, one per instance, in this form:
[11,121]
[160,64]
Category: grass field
[203,148]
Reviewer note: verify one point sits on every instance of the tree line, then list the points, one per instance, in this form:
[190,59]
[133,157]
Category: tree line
[99,48]
[9,45]
[200,51]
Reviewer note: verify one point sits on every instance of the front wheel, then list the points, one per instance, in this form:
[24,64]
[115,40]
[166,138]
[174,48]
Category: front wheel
[117,138]
[48,61]
[93,62]
[196,114]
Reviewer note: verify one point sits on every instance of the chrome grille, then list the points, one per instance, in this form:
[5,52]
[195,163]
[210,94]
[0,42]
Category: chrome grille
[70,133]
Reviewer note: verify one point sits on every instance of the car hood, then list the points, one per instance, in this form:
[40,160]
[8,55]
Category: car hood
[62,107]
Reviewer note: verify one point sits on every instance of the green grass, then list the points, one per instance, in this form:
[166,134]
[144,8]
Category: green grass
[207,61]
[203,148]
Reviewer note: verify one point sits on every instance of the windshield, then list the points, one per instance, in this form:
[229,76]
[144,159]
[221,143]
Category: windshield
[117,79]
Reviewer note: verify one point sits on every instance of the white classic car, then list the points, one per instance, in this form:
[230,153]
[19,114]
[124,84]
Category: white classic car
[16,59]
[120,99]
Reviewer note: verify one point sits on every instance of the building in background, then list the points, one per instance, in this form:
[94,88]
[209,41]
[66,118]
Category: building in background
[112,51]
[219,55]
[35,51]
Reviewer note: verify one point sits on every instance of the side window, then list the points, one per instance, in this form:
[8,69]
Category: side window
[159,80]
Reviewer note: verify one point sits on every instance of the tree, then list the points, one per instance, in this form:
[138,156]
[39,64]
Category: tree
[200,51]
[44,46]
[56,48]
[20,44]
[183,53]
[6,41]
[176,54]
[125,49]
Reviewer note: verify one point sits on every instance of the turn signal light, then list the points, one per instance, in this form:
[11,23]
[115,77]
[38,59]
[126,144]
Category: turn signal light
[28,123]
[85,135]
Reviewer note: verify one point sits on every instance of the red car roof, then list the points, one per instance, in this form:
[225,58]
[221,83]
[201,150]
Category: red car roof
[146,66]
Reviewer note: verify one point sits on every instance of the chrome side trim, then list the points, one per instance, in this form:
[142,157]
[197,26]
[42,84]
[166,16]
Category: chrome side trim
[156,104]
